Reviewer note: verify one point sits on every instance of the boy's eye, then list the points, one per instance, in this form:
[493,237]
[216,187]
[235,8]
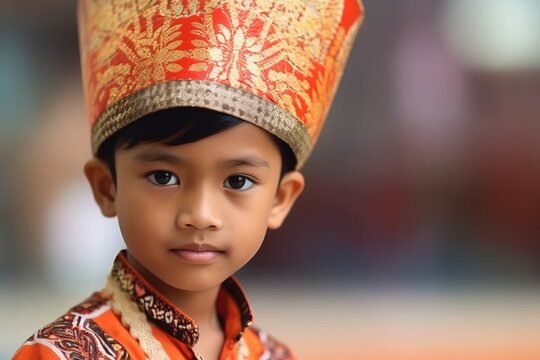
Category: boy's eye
[163,178]
[238,182]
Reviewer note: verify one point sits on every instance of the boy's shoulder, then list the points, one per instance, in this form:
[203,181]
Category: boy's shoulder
[84,332]
[75,335]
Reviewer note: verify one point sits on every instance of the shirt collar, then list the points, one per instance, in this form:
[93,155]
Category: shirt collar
[232,304]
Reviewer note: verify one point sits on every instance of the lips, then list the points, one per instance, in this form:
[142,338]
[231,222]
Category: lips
[198,247]
[198,253]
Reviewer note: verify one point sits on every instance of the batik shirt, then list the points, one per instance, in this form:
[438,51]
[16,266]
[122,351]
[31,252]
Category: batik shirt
[92,330]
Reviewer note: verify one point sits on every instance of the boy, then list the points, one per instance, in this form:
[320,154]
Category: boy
[202,112]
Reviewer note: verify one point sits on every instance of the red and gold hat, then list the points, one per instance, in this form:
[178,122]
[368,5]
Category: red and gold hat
[274,63]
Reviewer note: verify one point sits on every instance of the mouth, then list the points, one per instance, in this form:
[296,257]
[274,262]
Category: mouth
[198,253]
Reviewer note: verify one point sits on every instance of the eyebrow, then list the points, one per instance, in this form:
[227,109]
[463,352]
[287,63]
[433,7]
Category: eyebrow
[158,156]
[249,160]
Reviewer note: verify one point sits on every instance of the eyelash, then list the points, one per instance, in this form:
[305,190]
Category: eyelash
[244,177]
[152,178]
[171,176]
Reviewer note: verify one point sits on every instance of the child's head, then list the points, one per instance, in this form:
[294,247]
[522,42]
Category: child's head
[202,186]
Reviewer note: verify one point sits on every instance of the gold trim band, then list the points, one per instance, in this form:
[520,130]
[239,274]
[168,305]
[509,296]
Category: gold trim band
[209,95]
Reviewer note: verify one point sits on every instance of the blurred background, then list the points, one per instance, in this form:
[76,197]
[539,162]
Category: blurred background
[417,237]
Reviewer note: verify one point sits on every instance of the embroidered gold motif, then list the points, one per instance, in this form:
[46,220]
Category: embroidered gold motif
[206,95]
[289,53]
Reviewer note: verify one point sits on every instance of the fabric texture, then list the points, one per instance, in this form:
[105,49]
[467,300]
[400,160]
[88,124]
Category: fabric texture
[92,330]
[274,63]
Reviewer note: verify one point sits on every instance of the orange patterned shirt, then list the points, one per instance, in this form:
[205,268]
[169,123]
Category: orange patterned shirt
[91,330]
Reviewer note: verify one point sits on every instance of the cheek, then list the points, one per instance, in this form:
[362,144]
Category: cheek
[249,237]
[251,223]
[253,210]
[141,220]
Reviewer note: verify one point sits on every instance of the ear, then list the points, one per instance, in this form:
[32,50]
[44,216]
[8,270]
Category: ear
[101,181]
[289,189]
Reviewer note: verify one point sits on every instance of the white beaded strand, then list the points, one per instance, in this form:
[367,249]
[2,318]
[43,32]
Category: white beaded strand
[135,321]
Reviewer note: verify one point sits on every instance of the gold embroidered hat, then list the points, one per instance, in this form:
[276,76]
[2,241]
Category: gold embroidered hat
[274,63]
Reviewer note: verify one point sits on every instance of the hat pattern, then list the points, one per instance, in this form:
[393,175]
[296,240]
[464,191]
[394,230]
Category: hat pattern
[275,63]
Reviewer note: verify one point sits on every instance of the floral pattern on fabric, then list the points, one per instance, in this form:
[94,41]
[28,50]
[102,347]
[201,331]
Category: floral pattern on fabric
[274,350]
[290,54]
[78,337]
[276,49]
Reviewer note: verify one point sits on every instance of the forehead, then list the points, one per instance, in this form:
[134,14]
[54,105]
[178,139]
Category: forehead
[242,142]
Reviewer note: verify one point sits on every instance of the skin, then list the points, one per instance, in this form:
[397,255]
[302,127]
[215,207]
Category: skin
[192,215]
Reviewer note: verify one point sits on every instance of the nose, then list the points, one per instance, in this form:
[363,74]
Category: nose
[198,210]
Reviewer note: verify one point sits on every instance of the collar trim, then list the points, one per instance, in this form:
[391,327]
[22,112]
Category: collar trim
[169,317]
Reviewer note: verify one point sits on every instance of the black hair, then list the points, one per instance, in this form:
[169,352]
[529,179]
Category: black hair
[179,126]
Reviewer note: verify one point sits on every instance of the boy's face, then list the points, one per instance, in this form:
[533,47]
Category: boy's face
[192,215]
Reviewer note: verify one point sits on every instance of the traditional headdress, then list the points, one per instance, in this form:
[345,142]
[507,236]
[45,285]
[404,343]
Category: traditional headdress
[274,63]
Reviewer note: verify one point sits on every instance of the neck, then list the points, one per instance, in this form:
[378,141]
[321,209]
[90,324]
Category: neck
[200,306]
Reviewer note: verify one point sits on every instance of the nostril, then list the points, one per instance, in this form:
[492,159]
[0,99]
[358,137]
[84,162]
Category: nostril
[187,221]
